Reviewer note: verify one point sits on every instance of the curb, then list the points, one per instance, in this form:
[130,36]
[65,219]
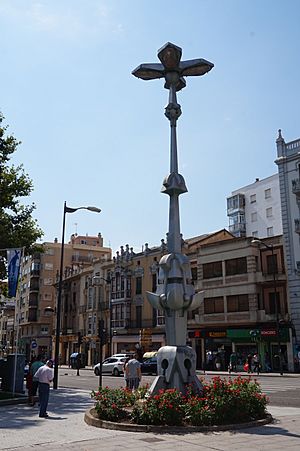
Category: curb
[92,420]
[13,401]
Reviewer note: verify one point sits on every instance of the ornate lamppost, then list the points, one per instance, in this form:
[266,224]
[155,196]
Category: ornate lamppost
[175,293]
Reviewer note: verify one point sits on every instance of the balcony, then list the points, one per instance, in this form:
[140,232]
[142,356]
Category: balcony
[119,323]
[32,316]
[35,273]
[145,324]
[117,296]
[238,229]
[34,287]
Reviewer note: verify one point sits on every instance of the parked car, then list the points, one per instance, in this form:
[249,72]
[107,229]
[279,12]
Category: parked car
[127,354]
[112,365]
[149,366]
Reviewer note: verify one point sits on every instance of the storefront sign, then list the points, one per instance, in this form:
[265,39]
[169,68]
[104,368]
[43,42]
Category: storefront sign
[268,333]
[216,334]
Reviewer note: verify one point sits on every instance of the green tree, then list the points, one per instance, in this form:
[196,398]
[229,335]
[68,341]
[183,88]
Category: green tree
[17,226]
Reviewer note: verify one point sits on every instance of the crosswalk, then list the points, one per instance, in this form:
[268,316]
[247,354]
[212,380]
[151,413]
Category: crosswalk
[272,384]
[279,385]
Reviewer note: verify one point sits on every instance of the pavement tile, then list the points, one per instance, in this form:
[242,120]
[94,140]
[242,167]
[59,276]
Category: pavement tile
[22,430]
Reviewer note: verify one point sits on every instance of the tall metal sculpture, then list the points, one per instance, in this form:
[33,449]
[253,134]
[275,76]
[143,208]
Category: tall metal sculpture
[175,293]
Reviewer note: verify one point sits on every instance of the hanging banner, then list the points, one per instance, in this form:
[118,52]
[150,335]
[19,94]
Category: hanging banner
[13,264]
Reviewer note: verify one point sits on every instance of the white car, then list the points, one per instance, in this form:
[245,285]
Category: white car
[113,365]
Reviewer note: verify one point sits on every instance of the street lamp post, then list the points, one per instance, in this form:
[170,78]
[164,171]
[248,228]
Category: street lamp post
[58,307]
[175,293]
[271,248]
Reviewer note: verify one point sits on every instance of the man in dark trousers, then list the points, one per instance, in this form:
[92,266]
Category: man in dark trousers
[45,376]
[133,373]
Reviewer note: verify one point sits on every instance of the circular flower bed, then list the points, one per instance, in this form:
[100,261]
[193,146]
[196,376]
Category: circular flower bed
[223,401]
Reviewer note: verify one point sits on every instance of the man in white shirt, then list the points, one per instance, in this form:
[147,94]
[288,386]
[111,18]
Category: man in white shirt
[44,375]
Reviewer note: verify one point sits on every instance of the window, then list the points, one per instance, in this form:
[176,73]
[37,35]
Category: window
[213,305]
[211,270]
[236,266]
[154,283]
[269,212]
[253,198]
[254,217]
[267,193]
[272,264]
[90,298]
[194,273]
[270,231]
[255,234]
[238,303]
[272,303]
[48,281]
[138,288]
[138,313]
[49,251]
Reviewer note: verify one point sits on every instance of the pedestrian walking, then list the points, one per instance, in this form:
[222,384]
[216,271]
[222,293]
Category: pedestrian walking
[267,362]
[256,363]
[38,362]
[29,383]
[133,373]
[124,371]
[249,363]
[44,375]
[232,362]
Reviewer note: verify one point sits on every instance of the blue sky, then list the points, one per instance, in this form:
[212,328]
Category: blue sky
[92,134]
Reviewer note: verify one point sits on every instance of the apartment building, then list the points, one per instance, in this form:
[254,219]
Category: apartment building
[85,302]
[135,324]
[288,162]
[255,209]
[7,321]
[239,311]
[37,293]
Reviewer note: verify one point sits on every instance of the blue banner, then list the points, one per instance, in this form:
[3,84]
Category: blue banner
[13,263]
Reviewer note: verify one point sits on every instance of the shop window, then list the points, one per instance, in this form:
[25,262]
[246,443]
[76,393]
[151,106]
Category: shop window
[213,305]
[211,270]
[238,303]
[236,266]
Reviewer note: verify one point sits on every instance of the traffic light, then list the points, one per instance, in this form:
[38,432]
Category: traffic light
[102,333]
[79,342]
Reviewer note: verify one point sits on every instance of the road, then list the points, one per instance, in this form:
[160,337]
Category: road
[282,391]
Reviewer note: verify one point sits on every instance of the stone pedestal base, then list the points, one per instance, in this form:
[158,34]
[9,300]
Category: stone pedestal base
[176,368]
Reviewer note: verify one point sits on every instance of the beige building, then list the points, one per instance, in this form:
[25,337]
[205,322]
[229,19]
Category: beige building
[239,312]
[37,292]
